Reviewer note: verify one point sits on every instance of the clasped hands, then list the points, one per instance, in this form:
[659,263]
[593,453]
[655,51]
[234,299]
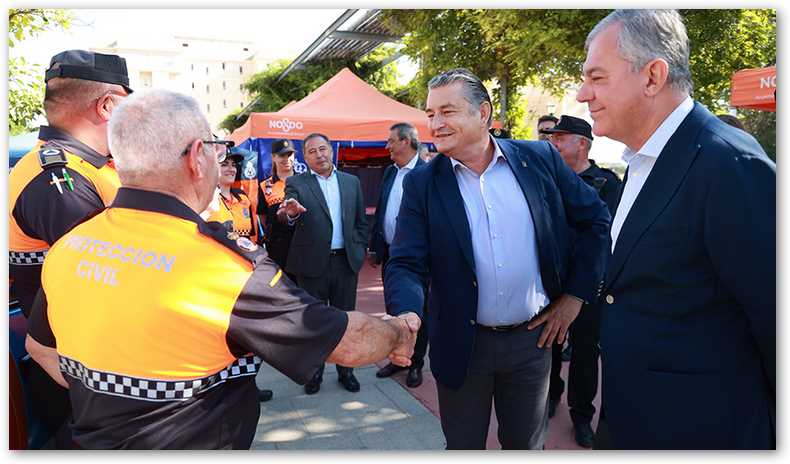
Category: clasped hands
[407,324]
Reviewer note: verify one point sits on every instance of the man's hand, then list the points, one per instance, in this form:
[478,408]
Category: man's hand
[290,209]
[558,317]
[408,325]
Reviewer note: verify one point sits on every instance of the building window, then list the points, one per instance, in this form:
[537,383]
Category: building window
[224,87]
[241,104]
[241,70]
[246,49]
[207,70]
[223,66]
[208,108]
[207,89]
[241,87]
[193,85]
[192,66]
[184,44]
[224,104]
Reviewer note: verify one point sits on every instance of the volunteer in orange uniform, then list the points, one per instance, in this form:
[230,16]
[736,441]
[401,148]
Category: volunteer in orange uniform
[68,175]
[272,193]
[176,313]
[235,208]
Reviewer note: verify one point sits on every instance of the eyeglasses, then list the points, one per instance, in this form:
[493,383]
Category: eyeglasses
[221,155]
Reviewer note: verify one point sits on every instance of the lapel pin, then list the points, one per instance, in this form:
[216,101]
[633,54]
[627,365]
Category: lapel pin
[524,164]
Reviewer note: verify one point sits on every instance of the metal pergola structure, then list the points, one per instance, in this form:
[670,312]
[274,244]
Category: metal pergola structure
[350,37]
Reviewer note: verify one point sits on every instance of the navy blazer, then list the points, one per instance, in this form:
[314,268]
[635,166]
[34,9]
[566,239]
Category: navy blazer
[688,331]
[433,241]
[377,242]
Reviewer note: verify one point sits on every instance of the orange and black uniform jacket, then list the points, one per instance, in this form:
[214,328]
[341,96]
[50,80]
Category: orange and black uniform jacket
[278,236]
[160,321]
[236,213]
[53,187]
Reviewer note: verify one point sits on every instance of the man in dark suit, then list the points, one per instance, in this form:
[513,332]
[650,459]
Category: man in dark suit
[573,138]
[688,329]
[403,144]
[325,208]
[489,223]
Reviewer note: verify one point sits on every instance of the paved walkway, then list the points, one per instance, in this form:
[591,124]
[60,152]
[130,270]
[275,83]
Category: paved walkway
[383,415]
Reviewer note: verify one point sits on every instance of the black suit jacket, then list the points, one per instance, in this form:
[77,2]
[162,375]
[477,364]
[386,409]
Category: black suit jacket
[433,240]
[377,242]
[312,232]
[688,331]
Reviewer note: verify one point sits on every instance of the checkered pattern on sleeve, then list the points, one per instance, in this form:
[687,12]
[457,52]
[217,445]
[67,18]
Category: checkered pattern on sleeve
[155,389]
[27,258]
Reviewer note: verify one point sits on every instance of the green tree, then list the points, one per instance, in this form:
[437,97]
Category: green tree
[26,80]
[546,47]
[270,95]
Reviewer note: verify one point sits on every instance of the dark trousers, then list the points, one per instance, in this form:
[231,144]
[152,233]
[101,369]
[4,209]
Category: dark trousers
[509,368]
[421,344]
[338,288]
[583,367]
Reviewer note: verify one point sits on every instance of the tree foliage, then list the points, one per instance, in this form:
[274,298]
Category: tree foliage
[546,47]
[26,80]
[270,95]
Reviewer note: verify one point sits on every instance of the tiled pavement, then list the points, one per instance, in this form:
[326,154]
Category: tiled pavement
[383,415]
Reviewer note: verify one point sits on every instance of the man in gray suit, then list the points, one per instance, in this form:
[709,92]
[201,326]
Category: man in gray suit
[325,209]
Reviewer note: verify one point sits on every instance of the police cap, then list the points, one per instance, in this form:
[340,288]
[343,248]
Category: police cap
[571,125]
[282,147]
[90,66]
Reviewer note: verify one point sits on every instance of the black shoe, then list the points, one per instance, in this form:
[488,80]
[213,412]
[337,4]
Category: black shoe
[583,435]
[414,377]
[553,406]
[264,395]
[312,387]
[388,370]
[349,382]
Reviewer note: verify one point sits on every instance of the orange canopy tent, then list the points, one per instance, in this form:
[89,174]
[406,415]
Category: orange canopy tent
[352,113]
[754,88]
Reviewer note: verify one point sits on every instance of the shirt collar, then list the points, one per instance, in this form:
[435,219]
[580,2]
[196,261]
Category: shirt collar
[656,143]
[410,164]
[497,155]
[63,139]
[334,170]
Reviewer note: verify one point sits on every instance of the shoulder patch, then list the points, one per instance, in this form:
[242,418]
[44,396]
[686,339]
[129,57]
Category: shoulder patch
[240,245]
[49,156]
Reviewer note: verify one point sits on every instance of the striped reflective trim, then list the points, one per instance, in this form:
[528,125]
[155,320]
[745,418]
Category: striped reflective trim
[276,278]
[27,258]
[155,389]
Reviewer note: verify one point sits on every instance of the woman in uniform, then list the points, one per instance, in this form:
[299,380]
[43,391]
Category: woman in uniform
[234,208]
[272,193]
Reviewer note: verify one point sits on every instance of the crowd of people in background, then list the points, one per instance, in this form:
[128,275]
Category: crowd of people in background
[494,253]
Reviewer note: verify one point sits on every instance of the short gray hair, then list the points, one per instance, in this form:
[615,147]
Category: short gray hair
[148,132]
[407,131]
[651,34]
[474,90]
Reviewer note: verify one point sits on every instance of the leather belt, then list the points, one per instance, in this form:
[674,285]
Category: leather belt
[503,328]
[337,252]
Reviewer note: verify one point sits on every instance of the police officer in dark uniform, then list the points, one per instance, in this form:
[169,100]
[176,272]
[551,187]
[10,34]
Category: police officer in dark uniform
[573,138]
[68,175]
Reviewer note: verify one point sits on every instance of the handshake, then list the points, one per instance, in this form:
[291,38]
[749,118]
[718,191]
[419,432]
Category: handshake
[407,325]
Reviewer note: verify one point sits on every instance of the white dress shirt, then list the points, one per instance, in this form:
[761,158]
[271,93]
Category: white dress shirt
[331,190]
[393,202]
[510,289]
[640,163]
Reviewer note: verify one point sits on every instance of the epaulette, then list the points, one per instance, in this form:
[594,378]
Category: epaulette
[51,156]
[239,244]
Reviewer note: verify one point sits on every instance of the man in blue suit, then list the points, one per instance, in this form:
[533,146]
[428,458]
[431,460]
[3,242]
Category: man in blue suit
[403,144]
[510,240]
[688,330]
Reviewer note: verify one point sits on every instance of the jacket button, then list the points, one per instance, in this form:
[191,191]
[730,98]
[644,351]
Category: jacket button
[474,283]
[609,299]
[472,322]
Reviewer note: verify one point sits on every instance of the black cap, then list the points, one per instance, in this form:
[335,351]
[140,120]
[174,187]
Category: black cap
[236,154]
[90,66]
[571,125]
[282,147]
